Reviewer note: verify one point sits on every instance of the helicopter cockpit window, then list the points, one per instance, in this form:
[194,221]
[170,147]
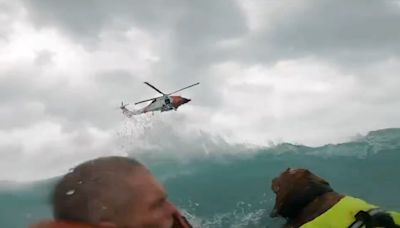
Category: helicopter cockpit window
[167,101]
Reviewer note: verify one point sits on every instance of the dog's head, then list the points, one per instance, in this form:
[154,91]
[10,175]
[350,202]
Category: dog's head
[294,189]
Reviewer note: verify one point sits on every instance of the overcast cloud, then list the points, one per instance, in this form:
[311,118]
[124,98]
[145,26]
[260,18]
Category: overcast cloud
[308,71]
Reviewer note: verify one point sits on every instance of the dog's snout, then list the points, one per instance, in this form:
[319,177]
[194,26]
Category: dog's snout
[274,213]
[274,185]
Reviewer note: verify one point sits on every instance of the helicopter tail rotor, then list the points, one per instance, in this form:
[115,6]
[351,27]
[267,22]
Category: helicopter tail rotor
[123,105]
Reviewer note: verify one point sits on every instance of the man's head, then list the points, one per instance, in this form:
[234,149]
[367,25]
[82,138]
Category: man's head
[294,189]
[113,191]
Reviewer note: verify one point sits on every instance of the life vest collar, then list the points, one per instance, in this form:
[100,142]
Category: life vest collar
[342,214]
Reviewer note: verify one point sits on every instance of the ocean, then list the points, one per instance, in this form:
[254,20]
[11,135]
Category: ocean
[233,190]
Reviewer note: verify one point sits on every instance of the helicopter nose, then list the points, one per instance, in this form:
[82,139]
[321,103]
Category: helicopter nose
[185,100]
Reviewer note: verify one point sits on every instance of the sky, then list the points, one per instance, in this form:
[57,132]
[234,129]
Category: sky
[307,72]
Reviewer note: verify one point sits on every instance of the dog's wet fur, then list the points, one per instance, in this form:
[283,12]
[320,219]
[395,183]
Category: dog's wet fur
[301,196]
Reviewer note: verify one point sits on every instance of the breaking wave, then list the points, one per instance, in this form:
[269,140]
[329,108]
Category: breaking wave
[233,189]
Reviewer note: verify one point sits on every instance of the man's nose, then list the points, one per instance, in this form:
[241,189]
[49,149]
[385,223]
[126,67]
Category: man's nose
[171,207]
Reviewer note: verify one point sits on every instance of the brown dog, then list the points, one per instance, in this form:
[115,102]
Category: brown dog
[301,197]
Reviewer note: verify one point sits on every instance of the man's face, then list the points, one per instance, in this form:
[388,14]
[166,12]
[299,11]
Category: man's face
[151,207]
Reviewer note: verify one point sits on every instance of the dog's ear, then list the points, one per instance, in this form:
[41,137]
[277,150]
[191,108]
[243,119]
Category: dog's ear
[314,178]
[320,180]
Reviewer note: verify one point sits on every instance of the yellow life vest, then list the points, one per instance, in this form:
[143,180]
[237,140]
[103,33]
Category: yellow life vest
[341,215]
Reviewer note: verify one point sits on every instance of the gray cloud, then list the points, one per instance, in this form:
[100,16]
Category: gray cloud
[26,100]
[86,20]
[351,33]
[193,30]
[21,114]
[45,151]
[328,70]
[8,11]
[44,57]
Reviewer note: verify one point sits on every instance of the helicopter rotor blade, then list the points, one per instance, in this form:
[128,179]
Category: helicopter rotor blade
[154,88]
[184,88]
[146,100]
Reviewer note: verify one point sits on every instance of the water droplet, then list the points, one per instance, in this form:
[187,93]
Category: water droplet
[70,192]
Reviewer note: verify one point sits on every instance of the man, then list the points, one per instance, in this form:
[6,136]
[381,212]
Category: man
[112,192]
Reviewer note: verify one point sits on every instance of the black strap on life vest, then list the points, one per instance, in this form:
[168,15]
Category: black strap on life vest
[373,218]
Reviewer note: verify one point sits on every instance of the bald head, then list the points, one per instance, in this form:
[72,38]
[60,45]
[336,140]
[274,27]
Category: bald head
[97,191]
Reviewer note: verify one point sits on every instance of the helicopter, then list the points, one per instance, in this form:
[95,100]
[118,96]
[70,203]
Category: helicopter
[163,103]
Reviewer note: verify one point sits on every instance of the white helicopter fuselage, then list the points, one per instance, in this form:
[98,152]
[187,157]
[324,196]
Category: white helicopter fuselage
[163,104]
